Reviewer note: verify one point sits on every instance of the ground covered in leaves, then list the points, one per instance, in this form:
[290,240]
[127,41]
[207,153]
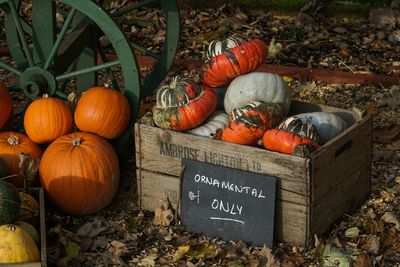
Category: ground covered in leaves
[124,235]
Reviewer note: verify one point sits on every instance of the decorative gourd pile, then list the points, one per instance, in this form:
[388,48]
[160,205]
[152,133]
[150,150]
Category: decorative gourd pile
[256,103]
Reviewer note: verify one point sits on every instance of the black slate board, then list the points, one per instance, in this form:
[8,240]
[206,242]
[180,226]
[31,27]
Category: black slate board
[228,203]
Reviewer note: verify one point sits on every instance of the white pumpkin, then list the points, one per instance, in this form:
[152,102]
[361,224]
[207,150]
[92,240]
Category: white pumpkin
[260,86]
[218,120]
[328,124]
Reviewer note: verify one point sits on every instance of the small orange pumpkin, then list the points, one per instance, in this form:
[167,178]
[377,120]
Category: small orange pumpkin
[80,173]
[103,111]
[11,145]
[5,105]
[29,208]
[46,119]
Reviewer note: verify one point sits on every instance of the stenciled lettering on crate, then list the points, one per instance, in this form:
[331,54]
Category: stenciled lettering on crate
[182,152]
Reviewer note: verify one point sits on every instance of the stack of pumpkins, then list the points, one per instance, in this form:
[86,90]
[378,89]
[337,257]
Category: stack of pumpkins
[255,103]
[79,171]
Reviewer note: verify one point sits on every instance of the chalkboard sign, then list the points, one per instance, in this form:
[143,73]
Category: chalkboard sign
[228,203]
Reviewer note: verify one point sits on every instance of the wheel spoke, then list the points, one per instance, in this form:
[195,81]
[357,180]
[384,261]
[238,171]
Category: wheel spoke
[145,51]
[110,73]
[132,7]
[10,68]
[61,94]
[59,38]
[21,33]
[88,70]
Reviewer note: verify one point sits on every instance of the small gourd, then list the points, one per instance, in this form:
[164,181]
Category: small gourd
[295,125]
[16,245]
[29,208]
[218,120]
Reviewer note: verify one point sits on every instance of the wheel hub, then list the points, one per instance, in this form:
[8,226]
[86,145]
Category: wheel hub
[36,81]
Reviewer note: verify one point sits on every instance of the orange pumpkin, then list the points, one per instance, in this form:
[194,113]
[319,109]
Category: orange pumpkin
[12,144]
[5,105]
[248,124]
[80,173]
[46,119]
[103,111]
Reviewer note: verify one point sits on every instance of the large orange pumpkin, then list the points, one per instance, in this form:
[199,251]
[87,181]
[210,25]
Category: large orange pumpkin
[103,111]
[5,105]
[46,119]
[80,173]
[12,144]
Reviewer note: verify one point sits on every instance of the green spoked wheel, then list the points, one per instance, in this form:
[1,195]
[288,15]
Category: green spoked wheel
[55,46]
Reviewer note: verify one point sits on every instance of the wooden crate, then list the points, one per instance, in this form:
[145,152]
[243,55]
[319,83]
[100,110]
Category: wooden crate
[311,193]
[39,196]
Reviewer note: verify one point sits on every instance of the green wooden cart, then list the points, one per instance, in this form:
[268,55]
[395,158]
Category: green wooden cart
[48,53]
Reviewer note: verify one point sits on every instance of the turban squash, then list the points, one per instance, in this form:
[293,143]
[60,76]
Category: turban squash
[183,105]
[230,58]
[288,143]
[295,125]
[248,124]
[5,105]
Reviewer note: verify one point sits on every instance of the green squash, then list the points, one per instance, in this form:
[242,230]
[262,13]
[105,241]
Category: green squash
[10,203]
[3,168]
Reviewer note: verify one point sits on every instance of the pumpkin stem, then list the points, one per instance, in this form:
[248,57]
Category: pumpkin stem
[13,140]
[76,141]
[11,227]
[45,96]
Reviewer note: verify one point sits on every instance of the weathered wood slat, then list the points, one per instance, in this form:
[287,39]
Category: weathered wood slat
[162,151]
[290,217]
[340,157]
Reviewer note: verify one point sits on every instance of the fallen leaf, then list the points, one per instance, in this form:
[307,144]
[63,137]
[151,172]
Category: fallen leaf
[371,244]
[163,214]
[389,217]
[116,249]
[363,260]
[204,251]
[180,253]
[332,256]
[93,228]
[386,135]
[352,232]
[148,261]
[72,249]
[269,257]
[375,227]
